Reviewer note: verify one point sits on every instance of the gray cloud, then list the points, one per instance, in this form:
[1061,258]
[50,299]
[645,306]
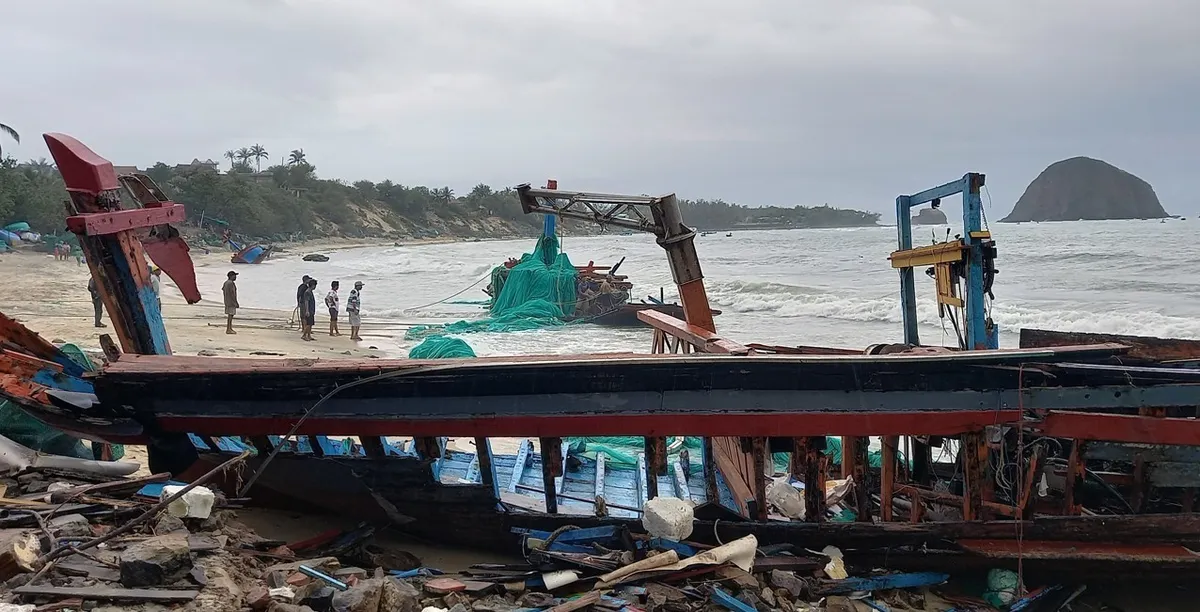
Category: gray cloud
[762,102]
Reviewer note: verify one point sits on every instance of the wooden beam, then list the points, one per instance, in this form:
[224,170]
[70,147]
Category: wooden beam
[551,467]
[704,340]
[642,483]
[681,482]
[522,462]
[811,466]
[973,453]
[1120,428]
[887,476]
[656,463]
[483,454]
[601,460]
[1076,476]
[373,446]
[711,492]
[760,455]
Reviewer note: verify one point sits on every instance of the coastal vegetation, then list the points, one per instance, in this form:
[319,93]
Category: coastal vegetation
[290,201]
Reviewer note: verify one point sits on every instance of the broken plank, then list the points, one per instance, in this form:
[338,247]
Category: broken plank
[681,484]
[578,603]
[523,453]
[109,594]
[601,459]
[642,484]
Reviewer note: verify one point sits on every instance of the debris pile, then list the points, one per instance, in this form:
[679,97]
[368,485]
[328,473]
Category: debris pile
[80,538]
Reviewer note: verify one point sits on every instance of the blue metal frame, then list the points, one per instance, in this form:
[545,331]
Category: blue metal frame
[979,334]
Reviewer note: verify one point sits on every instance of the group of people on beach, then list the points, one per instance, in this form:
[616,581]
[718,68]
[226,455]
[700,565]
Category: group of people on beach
[306,303]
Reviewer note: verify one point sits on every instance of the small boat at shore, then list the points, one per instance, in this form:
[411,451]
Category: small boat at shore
[250,254]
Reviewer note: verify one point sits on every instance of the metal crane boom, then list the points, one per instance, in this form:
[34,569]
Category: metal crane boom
[665,222]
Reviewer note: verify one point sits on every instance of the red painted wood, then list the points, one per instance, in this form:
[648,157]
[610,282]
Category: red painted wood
[1121,428]
[726,424]
[101,224]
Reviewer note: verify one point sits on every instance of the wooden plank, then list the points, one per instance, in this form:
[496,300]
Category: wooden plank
[1075,478]
[109,594]
[314,443]
[262,444]
[854,450]
[974,457]
[601,460]
[560,477]
[655,463]
[759,454]
[643,488]
[709,463]
[471,476]
[1121,428]
[551,466]
[521,464]
[373,446]
[813,468]
[1080,551]
[704,340]
[483,454]
[681,484]
[887,476]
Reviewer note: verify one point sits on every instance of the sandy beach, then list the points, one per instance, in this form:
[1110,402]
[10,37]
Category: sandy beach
[51,298]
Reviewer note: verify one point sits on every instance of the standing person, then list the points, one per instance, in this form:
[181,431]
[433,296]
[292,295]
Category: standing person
[300,299]
[97,303]
[229,289]
[308,310]
[331,302]
[156,283]
[353,310]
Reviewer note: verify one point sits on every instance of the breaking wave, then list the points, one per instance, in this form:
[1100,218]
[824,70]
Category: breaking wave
[783,300]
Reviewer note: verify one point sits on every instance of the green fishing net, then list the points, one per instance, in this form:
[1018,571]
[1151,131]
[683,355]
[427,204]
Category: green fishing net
[537,292]
[441,347]
[623,450]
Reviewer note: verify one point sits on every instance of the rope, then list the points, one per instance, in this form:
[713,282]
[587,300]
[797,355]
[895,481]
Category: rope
[464,290]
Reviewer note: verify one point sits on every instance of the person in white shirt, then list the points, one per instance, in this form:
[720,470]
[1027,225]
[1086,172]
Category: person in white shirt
[156,283]
[331,302]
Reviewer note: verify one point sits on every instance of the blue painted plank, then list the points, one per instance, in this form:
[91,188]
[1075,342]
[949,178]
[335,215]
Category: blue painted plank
[730,602]
[891,581]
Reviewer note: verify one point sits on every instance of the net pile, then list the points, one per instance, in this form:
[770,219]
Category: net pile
[539,291]
[441,347]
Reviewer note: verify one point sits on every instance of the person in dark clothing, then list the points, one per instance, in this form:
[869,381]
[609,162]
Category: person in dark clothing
[97,303]
[308,309]
[300,298]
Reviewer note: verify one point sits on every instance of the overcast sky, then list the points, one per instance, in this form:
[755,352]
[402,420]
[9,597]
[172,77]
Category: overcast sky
[849,102]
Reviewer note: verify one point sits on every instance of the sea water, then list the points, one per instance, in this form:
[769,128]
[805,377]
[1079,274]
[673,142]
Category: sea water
[828,287]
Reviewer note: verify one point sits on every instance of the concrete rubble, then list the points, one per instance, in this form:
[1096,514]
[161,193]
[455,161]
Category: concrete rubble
[119,545]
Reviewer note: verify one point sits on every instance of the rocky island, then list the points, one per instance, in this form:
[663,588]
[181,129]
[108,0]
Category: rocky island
[930,216]
[1085,188]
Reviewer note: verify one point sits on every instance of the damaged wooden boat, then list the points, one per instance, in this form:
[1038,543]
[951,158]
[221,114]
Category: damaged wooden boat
[1071,448]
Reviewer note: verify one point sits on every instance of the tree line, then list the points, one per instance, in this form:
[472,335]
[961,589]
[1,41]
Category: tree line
[288,200]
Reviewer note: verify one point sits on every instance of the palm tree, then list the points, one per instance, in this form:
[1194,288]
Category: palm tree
[11,134]
[244,155]
[232,156]
[258,152]
[296,157]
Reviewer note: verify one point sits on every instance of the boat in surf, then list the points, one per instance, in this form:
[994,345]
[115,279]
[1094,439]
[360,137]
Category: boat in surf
[254,253]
